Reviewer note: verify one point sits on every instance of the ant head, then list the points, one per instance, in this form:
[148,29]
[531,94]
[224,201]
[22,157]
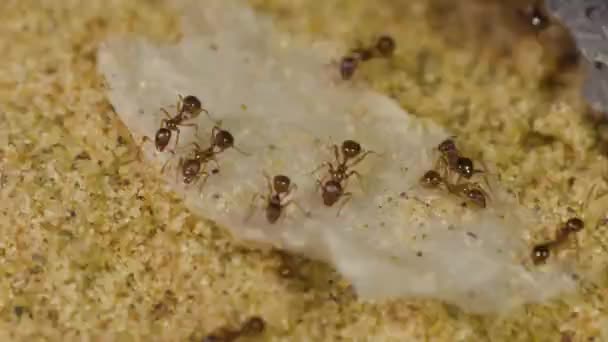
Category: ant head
[575,225]
[350,149]
[190,170]
[386,46]
[431,179]
[447,145]
[477,196]
[254,325]
[535,17]
[540,253]
[348,65]
[281,183]
[223,140]
[161,139]
[465,167]
[191,105]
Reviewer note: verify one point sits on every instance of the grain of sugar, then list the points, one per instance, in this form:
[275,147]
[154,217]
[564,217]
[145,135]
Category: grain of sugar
[284,107]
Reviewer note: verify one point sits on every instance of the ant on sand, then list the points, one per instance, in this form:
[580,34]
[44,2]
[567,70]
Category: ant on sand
[194,167]
[253,326]
[188,108]
[350,154]
[471,191]
[541,252]
[280,189]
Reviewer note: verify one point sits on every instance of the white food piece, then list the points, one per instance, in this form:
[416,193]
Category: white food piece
[284,104]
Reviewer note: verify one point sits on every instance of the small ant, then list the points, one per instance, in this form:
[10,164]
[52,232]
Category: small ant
[349,155]
[279,190]
[541,252]
[385,47]
[473,192]
[188,108]
[195,167]
[451,159]
[254,325]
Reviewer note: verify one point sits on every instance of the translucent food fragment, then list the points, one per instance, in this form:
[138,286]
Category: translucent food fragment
[284,104]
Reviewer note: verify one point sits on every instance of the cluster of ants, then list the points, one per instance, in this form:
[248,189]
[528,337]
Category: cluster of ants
[253,326]
[280,187]
[384,48]
[453,171]
[451,161]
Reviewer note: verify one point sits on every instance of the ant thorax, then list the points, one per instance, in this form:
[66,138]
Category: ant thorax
[275,108]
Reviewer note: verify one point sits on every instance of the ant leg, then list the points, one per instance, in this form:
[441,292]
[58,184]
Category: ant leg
[208,115]
[176,139]
[163,121]
[268,182]
[252,206]
[325,164]
[205,176]
[179,167]
[162,169]
[337,154]
[297,205]
[361,157]
[346,197]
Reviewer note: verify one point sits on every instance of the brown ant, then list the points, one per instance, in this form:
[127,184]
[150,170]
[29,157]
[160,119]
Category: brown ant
[451,159]
[194,167]
[279,190]
[253,326]
[188,108]
[384,47]
[541,252]
[349,155]
[471,191]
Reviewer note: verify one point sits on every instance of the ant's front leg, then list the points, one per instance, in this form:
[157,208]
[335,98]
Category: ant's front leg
[346,197]
[324,164]
[297,205]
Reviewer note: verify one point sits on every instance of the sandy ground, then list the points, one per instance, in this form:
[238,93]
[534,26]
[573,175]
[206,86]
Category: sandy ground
[95,248]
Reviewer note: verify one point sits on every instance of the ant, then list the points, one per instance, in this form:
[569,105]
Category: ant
[384,47]
[279,190]
[542,252]
[451,159]
[195,167]
[188,108]
[254,325]
[473,192]
[349,155]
